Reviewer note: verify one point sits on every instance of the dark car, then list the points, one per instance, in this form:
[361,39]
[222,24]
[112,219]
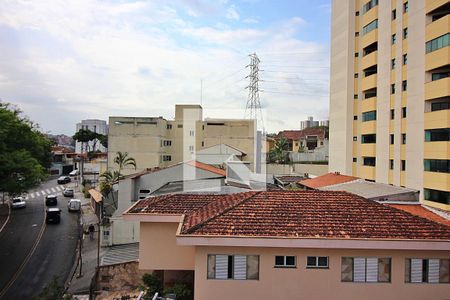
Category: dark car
[53,215]
[63,179]
[51,200]
[68,192]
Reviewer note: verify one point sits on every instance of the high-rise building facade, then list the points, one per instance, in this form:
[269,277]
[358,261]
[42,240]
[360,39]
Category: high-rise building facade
[94,125]
[390,94]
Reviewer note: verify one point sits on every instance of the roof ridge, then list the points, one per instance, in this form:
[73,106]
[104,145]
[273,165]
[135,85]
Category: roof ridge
[221,212]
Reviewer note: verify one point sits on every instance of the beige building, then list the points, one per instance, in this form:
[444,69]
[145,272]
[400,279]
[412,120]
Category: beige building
[157,142]
[292,245]
[390,94]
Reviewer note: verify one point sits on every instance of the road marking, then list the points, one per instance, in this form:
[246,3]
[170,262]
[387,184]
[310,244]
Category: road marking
[25,261]
[48,191]
[58,188]
[53,190]
[32,195]
[7,219]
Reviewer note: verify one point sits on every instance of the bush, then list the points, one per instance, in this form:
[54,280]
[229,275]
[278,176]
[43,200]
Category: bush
[180,290]
[152,284]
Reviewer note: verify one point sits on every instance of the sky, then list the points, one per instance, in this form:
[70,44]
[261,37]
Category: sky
[65,61]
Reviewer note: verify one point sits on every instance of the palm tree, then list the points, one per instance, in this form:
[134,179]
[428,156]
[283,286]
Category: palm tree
[122,160]
[109,178]
[277,153]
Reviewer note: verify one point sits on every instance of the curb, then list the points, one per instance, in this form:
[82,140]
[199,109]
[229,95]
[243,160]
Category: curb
[7,219]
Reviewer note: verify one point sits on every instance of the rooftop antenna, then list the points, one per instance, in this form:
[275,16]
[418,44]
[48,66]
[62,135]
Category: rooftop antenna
[253,107]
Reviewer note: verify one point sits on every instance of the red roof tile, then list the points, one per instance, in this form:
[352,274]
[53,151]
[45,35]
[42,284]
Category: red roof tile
[310,214]
[297,135]
[419,210]
[206,167]
[326,180]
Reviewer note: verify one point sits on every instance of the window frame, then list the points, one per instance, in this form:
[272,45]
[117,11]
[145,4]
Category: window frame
[316,265]
[285,265]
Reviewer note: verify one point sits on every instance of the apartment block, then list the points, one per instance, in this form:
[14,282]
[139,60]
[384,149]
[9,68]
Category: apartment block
[157,142]
[390,94]
[94,125]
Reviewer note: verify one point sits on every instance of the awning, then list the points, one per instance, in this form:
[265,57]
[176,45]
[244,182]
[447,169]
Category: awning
[96,195]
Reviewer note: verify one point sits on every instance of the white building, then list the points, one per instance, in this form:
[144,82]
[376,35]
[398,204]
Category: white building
[94,125]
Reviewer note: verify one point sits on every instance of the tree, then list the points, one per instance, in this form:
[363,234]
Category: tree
[277,154]
[152,284]
[84,136]
[109,178]
[25,153]
[122,160]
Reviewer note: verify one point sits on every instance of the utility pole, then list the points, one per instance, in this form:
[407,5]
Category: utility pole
[253,107]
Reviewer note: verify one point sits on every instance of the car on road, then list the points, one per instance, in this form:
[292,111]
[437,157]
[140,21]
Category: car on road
[53,215]
[68,192]
[74,205]
[63,179]
[51,200]
[18,202]
[73,173]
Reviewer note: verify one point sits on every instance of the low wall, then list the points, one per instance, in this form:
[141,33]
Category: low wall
[297,169]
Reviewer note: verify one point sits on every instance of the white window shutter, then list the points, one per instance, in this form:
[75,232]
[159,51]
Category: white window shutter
[416,270]
[433,270]
[359,269]
[372,269]
[240,267]
[221,266]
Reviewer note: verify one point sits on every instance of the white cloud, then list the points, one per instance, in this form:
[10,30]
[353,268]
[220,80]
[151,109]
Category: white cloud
[232,13]
[251,20]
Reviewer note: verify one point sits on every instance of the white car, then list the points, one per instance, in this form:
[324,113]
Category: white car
[73,173]
[18,202]
[74,205]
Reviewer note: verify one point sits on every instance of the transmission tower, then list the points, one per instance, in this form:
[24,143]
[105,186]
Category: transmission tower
[253,107]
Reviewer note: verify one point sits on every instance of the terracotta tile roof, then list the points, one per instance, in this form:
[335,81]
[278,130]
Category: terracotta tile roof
[297,135]
[308,214]
[289,135]
[96,195]
[419,210]
[289,178]
[326,180]
[206,167]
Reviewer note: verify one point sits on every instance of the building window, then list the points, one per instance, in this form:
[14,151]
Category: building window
[166,158]
[369,161]
[393,63]
[356,54]
[356,75]
[355,118]
[355,96]
[356,34]
[371,26]
[394,14]
[167,143]
[403,112]
[191,133]
[203,144]
[405,7]
[239,267]
[403,138]
[180,126]
[365,269]
[403,165]
[285,261]
[316,262]
[368,138]
[191,148]
[405,33]
[355,159]
[438,43]
[440,106]
[437,135]
[355,138]
[369,5]
[437,196]
[391,139]
[393,88]
[404,85]
[392,114]
[369,116]
[370,93]
[393,39]
[437,165]
[357,13]
[391,164]
[437,76]
[432,270]
[169,126]
[405,59]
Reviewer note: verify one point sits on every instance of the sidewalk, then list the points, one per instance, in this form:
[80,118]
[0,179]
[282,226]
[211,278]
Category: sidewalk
[81,285]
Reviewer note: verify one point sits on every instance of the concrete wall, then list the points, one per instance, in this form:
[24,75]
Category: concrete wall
[318,284]
[319,154]
[297,169]
[158,249]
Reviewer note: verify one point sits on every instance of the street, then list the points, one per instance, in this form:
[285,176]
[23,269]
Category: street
[33,253]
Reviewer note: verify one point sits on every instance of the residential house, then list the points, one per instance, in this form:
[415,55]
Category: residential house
[292,245]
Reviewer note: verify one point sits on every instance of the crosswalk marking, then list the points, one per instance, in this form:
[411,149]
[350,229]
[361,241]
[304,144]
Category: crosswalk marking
[32,195]
[37,194]
[43,193]
[48,191]
[58,188]
[53,190]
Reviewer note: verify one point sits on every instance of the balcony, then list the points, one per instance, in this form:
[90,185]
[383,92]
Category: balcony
[437,89]
[437,59]
[437,150]
[437,119]
[369,16]
[437,28]
[367,149]
[369,60]
[369,38]
[368,127]
[369,104]
[433,4]
[436,181]
[369,82]
[367,172]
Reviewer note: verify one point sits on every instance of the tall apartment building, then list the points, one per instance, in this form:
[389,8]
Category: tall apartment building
[390,94]
[157,142]
[94,125]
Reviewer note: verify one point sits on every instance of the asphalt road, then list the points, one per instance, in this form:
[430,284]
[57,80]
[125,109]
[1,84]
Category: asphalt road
[50,248]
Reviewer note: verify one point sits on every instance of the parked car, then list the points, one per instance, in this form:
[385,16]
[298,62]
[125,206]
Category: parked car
[53,215]
[63,179]
[74,173]
[51,200]
[74,205]
[68,192]
[18,202]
